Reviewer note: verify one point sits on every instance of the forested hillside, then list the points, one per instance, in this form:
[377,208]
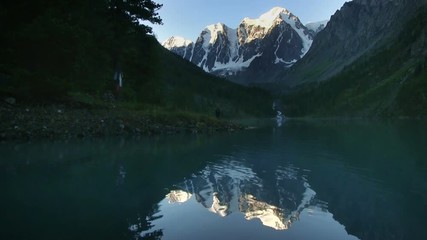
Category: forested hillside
[389,82]
[70,51]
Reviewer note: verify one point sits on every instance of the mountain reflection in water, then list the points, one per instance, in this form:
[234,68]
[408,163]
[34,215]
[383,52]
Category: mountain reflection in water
[231,187]
[304,180]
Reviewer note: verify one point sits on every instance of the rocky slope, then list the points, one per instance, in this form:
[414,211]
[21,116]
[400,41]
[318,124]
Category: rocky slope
[254,52]
[359,27]
[387,77]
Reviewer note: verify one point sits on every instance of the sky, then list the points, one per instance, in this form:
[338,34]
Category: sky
[187,18]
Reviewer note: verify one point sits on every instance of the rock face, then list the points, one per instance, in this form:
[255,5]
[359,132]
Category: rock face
[357,28]
[254,52]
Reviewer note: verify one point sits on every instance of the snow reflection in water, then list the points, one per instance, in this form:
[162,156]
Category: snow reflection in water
[251,199]
[234,187]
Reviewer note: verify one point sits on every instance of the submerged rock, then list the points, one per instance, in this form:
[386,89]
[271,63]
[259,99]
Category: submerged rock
[10,100]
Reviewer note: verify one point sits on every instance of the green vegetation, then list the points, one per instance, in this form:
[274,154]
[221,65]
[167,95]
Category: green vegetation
[390,82]
[67,52]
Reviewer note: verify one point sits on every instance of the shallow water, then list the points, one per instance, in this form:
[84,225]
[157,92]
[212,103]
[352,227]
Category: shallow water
[293,180]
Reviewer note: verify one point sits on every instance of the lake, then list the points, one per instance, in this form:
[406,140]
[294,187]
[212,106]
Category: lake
[287,180]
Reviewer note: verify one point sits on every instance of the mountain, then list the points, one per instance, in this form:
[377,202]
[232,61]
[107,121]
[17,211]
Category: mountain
[252,53]
[182,85]
[370,61]
[359,27]
[179,45]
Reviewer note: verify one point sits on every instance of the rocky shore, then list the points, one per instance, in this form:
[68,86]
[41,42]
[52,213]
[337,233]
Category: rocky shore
[26,122]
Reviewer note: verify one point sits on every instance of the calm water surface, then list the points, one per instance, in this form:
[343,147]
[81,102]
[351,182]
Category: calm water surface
[295,180]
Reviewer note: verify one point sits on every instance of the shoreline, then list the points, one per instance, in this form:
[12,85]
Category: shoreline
[27,122]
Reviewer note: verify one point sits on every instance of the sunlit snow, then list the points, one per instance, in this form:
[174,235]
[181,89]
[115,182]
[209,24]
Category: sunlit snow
[234,39]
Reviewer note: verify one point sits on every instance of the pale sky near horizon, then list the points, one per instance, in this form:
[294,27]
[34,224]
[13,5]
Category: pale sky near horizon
[187,18]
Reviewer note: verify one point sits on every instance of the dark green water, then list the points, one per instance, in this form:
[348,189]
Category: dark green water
[302,180]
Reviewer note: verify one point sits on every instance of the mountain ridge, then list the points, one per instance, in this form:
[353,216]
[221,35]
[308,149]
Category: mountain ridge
[277,37]
[357,28]
[385,78]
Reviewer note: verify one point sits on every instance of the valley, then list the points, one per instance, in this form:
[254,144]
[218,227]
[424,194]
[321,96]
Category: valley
[364,62]
[304,121]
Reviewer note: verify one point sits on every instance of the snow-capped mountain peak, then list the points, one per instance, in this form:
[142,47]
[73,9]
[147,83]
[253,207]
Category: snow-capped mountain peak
[270,18]
[219,27]
[211,32]
[176,42]
[274,13]
[275,40]
[260,27]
